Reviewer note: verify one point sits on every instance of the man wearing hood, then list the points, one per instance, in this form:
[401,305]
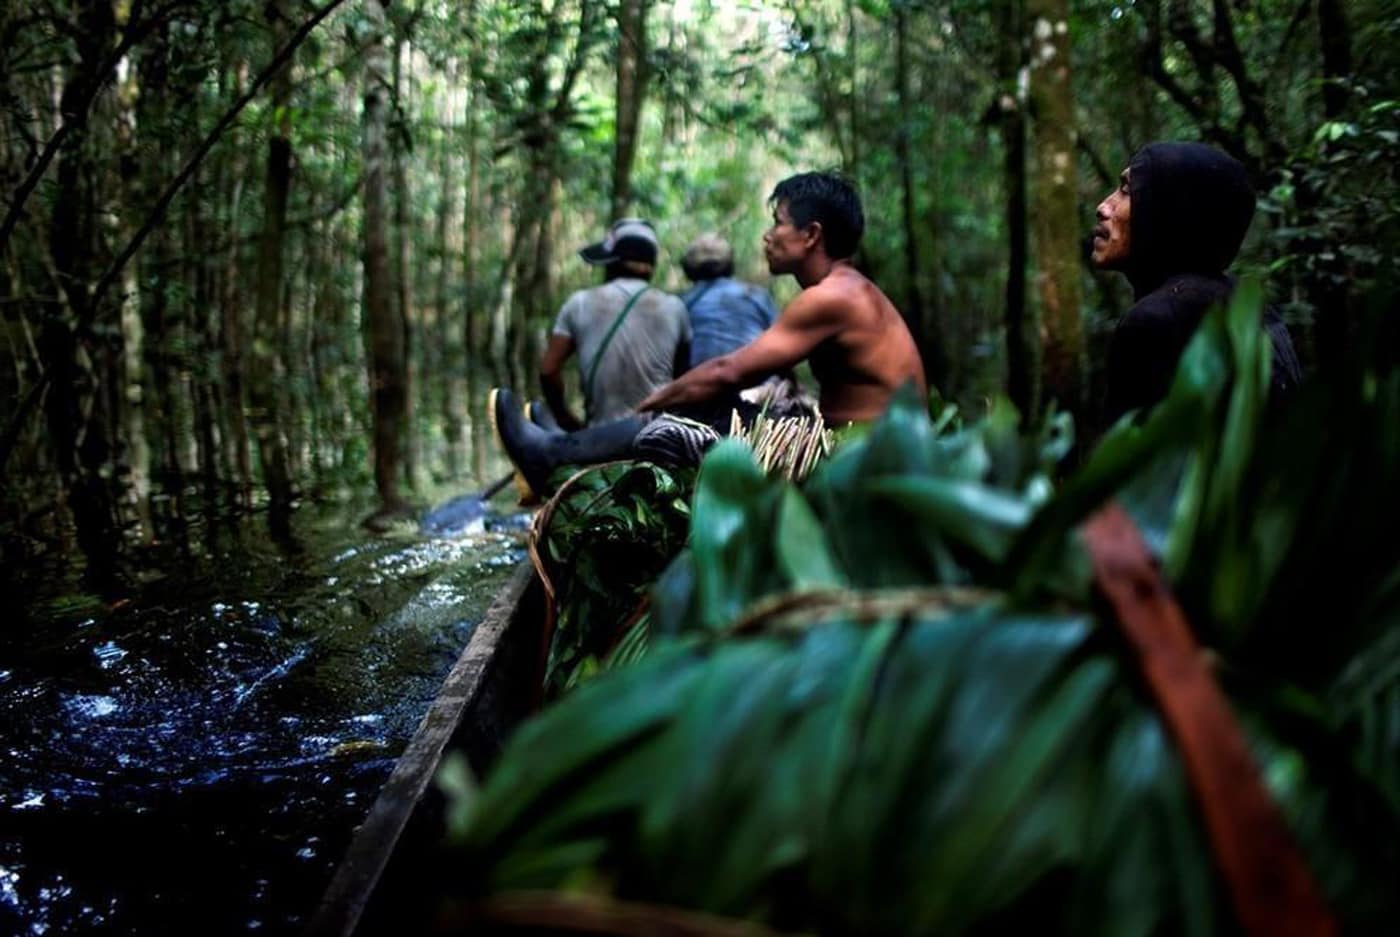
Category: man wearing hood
[1172,226]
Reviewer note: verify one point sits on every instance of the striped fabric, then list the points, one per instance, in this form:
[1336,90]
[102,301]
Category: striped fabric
[674,440]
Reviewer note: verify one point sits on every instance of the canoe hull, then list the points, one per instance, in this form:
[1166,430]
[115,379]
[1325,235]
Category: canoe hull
[380,884]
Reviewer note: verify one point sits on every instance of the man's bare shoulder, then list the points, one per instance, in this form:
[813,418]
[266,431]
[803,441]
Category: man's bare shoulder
[839,296]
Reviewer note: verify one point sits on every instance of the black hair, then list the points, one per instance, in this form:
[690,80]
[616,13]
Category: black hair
[829,199]
[635,269]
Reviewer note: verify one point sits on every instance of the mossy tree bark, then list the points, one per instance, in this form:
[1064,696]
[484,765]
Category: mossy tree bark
[1057,229]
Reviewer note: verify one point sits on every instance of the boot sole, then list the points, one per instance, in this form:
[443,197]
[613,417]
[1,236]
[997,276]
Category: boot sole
[527,495]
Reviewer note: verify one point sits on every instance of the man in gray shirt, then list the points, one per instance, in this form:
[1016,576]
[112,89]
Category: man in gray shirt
[631,339]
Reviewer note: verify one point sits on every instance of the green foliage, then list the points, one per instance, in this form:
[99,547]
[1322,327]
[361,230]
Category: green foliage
[608,535]
[879,749]
[1340,198]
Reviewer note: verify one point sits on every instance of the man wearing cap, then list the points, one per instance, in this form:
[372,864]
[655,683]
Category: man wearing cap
[725,314]
[630,338]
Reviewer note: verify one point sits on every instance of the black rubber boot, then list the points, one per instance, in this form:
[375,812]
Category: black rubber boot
[538,412]
[537,453]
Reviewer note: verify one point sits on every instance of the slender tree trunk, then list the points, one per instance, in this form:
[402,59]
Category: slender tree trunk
[472,209]
[1056,216]
[631,90]
[76,418]
[155,306]
[268,359]
[403,271]
[925,331]
[203,378]
[383,329]
[290,406]
[1020,334]
[447,360]
[853,90]
[231,328]
[131,394]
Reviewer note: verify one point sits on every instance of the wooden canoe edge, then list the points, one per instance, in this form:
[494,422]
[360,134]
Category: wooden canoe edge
[359,871]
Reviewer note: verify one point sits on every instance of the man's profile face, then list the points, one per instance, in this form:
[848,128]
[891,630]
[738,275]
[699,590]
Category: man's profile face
[784,244]
[1112,232]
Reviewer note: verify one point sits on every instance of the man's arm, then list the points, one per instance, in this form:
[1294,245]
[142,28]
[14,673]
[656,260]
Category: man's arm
[558,350]
[806,322]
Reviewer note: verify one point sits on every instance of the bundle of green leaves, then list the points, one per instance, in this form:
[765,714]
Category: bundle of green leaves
[887,703]
[603,540]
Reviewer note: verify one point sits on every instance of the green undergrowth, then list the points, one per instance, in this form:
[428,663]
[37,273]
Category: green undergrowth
[885,701]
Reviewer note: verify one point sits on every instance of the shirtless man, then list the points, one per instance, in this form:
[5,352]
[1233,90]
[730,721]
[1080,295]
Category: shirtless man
[860,350]
[859,347]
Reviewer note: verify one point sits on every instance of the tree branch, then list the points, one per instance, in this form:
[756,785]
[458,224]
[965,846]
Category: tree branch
[1155,68]
[158,212]
[133,34]
[1232,59]
[335,207]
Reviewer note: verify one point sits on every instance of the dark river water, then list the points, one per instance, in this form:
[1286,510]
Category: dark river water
[190,755]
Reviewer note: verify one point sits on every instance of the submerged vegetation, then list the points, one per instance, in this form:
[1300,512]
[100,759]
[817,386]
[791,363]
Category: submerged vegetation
[887,702]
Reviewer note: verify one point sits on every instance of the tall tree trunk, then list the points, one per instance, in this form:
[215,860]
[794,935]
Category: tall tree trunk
[1057,226]
[925,331]
[853,91]
[472,209]
[447,361]
[1021,379]
[631,90]
[155,306]
[72,358]
[382,325]
[403,271]
[204,328]
[231,328]
[268,361]
[132,397]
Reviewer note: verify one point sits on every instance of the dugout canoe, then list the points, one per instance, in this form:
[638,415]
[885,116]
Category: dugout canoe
[379,885]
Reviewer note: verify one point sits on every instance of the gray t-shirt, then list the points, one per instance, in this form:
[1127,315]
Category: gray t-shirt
[642,353]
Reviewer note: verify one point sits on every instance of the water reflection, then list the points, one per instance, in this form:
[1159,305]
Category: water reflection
[190,753]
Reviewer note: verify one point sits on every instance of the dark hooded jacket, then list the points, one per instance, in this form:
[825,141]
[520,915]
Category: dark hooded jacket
[1191,206]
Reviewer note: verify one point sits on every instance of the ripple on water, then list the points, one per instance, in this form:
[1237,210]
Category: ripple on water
[108,655]
[250,728]
[90,706]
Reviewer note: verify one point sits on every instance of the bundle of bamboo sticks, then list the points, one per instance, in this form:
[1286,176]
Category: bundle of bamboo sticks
[792,445]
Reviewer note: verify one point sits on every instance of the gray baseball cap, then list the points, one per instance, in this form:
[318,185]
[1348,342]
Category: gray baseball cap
[706,249]
[627,239]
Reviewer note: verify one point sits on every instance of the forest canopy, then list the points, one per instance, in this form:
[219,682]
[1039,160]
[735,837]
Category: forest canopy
[283,246]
